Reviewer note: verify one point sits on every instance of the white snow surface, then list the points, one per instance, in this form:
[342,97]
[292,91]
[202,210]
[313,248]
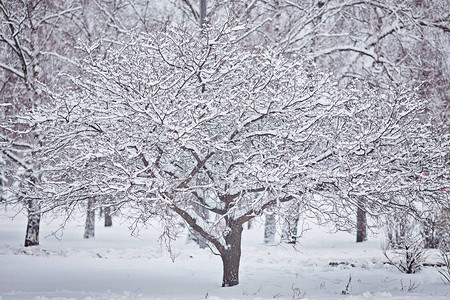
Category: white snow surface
[116,265]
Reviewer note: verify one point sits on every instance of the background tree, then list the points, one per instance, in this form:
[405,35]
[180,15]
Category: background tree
[377,42]
[28,29]
[40,40]
[382,43]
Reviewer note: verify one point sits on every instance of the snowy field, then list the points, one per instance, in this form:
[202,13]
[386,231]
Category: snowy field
[116,265]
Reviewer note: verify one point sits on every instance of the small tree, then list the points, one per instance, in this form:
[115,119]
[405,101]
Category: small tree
[38,43]
[27,30]
[408,256]
[406,245]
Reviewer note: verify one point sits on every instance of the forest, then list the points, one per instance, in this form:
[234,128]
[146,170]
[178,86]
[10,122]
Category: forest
[208,118]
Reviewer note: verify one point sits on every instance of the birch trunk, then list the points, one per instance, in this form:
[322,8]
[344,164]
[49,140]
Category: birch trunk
[289,231]
[270,228]
[89,227]
[34,220]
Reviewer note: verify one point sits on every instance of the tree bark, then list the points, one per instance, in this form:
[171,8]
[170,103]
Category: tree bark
[1,188]
[89,227]
[34,220]
[108,217]
[290,226]
[289,232]
[231,256]
[270,229]
[230,252]
[250,224]
[202,13]
[195,236]
[361,223]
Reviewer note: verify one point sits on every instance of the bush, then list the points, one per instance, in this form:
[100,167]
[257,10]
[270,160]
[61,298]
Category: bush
[407,257]
[405,249]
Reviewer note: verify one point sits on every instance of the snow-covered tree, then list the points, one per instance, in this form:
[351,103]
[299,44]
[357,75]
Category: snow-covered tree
[171,121]
[386,44]
[38,41]
[270,228]
[28,29]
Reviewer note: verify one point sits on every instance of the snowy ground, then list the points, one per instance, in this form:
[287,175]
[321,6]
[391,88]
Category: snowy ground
[115,265]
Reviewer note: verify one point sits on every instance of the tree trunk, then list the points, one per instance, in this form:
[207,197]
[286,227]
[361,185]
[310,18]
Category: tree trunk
[108,218]
[195,236]
[231,256]
[289,231]
[270,228]
[361,223]
[202,13]
[250,224]
[89,227]
[198,239]
[1,188]
[429,234]
[34,220]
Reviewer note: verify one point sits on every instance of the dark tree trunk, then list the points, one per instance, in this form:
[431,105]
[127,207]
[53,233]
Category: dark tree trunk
[270,229]
[34,220]
[1,189]
[361,223]
[230,252]
[89,227]
[231,256]
[108,218]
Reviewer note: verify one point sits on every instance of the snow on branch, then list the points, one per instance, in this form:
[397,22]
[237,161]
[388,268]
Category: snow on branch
[217,129]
